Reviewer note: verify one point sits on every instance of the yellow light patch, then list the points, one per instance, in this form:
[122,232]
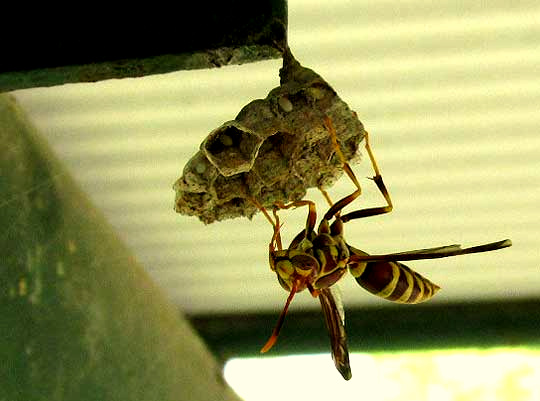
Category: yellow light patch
[493,374]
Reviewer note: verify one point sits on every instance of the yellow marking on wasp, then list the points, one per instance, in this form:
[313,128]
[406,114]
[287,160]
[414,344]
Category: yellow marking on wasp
[284,268]
[410,285]
[320,257]
[296,252]
[420,294]
[303,272]
[358,270]
[280,254]
[428,291]
[433,288]
[305,244]
[391,286]
[334,252]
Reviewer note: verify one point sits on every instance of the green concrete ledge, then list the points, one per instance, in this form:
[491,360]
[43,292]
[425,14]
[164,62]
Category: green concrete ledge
[79,318]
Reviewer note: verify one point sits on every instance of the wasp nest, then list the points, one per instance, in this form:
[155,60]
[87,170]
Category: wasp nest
[272,151]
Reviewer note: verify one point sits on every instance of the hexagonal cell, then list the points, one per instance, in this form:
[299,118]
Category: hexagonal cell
[274,150]
[232,148]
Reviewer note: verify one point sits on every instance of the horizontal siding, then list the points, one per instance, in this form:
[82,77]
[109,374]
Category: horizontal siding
[449,91]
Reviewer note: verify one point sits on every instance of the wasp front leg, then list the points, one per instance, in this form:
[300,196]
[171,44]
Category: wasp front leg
[276,236]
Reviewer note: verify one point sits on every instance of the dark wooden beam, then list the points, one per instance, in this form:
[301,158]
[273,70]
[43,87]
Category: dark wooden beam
[151,39]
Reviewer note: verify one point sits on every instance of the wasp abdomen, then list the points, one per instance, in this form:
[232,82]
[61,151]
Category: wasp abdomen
[393,281]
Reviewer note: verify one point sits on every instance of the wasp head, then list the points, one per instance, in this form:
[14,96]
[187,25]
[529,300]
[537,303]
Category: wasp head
[295,266]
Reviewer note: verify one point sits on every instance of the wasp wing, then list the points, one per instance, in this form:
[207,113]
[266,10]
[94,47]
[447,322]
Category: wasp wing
[335,322]
[429,253]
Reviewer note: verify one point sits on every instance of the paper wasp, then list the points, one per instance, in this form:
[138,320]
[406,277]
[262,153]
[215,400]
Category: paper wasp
[316,260]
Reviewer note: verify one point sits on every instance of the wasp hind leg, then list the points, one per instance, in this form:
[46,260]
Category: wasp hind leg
[336,208]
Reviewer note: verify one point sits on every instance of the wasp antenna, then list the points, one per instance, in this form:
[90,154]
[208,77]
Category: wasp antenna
[273,338]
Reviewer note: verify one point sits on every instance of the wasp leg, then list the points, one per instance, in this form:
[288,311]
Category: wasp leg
[326,196]
[276,237]
[335,209]
[312,213]
[377,178]
[333,136]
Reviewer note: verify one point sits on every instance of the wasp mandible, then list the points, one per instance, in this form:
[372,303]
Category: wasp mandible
[317,259]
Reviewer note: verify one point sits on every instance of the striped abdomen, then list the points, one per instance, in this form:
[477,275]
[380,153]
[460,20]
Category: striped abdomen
[393,281]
